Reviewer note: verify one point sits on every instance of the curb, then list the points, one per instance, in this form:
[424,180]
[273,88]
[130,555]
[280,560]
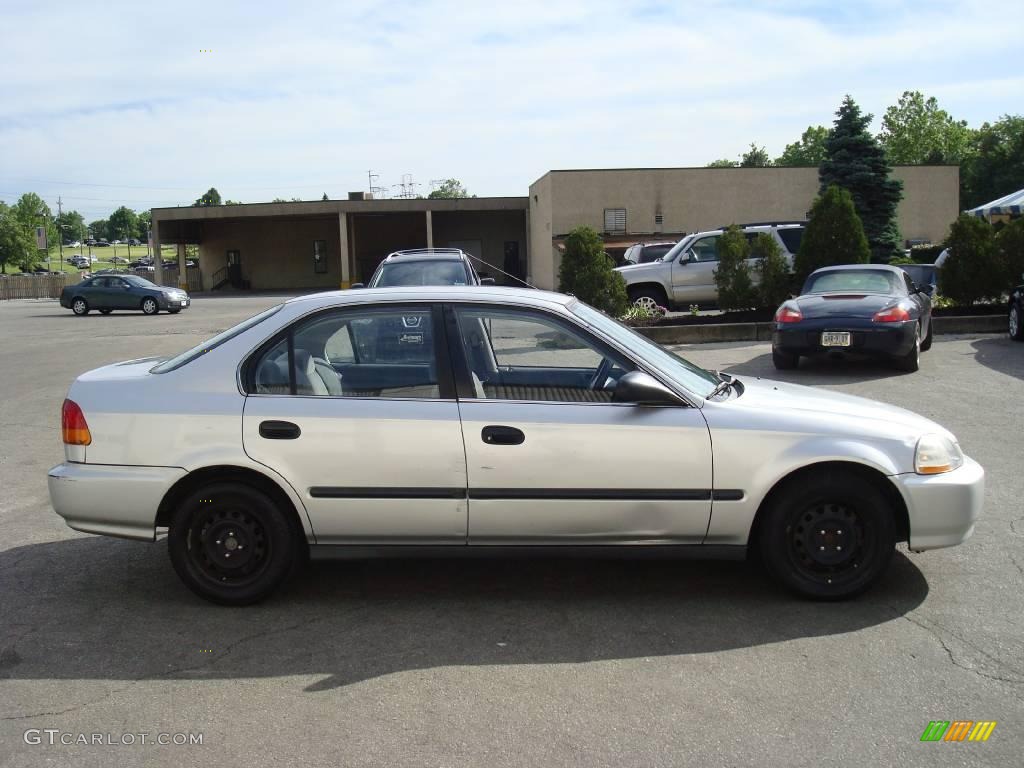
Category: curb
[704,334]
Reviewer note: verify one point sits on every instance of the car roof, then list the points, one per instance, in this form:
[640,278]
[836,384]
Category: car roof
[495,294]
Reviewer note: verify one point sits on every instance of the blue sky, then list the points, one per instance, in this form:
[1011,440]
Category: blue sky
[293,100]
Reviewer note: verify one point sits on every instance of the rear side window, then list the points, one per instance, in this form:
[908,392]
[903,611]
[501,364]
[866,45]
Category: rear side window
[187,357]
[791,238]
[654,253]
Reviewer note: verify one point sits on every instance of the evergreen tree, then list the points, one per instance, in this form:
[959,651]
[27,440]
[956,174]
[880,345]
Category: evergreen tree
[587,273]
[834,235]
[732,276]
[855,161]
[973,270]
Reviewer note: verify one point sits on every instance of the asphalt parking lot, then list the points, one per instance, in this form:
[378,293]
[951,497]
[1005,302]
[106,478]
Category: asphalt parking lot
[503,663]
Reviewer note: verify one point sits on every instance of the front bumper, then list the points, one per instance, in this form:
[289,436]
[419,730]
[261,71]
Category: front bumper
[110,499]
[166,302]
[942,508]
[866,338]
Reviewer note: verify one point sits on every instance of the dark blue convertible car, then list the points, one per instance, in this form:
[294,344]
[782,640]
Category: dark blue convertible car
[870,310]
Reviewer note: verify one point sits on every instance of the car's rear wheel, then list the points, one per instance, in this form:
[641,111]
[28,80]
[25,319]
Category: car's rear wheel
[784,361]
[79,306]
[829,536]
[149,306]
[648,297]
[231,544]
[927,343]
[1016,322]
[911,361]
[106,311]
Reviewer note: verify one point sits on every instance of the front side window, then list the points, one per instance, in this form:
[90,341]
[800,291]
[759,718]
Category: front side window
[524,355]
[705,249]
[353,353]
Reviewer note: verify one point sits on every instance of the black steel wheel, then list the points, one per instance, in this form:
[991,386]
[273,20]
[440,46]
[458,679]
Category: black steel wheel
[230,544]
[828,537]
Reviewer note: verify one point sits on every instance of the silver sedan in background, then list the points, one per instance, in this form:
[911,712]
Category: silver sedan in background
[453,421]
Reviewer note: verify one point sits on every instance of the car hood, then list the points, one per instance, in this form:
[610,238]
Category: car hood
[634,270]
[834,410]
[843,304]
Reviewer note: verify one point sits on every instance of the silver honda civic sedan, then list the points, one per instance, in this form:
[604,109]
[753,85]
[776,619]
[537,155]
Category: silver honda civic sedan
[458,421]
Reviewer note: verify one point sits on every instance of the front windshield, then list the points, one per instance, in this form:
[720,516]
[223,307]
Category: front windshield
[852,281]
[421,273]
[692,377]
[139,282]
[678,248]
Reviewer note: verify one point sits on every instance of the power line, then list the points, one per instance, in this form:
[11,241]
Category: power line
[174,189]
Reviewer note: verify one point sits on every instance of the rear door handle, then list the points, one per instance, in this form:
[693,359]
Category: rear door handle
[502,436]
[279,430]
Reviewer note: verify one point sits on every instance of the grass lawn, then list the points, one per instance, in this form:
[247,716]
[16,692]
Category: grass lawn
[103,255]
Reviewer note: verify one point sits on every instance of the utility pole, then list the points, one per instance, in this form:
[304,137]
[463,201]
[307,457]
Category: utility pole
[60,233]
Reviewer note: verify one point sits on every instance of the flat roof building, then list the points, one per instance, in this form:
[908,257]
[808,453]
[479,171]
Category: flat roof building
[334,243]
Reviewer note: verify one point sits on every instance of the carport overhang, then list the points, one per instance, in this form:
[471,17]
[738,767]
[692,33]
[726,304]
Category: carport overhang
[189,225]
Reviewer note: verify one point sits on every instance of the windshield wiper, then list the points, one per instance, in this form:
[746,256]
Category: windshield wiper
[725,384]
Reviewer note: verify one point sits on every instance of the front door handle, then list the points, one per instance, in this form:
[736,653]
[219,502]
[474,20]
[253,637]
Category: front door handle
[502,436]
[279,430]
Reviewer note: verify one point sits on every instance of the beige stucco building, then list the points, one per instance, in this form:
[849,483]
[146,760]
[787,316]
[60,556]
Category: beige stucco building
[331,244]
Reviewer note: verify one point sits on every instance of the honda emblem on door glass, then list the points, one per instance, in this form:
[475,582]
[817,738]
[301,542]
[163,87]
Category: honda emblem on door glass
[412,321]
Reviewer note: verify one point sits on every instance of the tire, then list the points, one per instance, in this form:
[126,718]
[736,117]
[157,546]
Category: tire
[80,306]
[648,296]
[855,516]
[1016,322]
[228,519]
[149,306]
[106,311]
[927,343]
[911,361]
[784,361]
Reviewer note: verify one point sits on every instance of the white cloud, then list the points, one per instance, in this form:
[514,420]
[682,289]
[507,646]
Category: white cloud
[301,100]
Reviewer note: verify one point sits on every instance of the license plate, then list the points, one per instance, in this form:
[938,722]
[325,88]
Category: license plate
[184,303]
[835,339]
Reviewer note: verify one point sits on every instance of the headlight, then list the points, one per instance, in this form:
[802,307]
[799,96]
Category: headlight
[936,454]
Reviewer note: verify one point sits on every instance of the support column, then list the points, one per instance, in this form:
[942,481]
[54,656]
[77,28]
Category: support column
[430,230]
[346,273]
[182,274]
[158,262]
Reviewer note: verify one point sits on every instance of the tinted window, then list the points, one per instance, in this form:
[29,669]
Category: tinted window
[791,238]
[853,281]
[139,282]
[654,253]
[523,355]
[705,249]
[354,353]
[421,273]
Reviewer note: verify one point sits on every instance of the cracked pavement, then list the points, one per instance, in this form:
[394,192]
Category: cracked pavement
[504,663]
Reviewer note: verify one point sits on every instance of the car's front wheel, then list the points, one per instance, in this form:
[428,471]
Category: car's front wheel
[231,544]
[149,306]
[828,536]
[1016,322]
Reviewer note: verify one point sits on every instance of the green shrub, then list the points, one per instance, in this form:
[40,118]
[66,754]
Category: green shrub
[586,272]
[776,283]
[902,260]
[926,254]
[834,235]
[974,269]
[732,277]
[1010,240]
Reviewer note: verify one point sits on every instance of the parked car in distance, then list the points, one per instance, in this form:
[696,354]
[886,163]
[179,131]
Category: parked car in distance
[644,253]
[118,260]
[100,244]
[1015,312]
[491,412]
[686,274]
[109,292]
[425,266]
[134,241]
[870,310]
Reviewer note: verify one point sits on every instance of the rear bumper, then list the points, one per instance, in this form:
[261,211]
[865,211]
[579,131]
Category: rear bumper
[943,508]
[872,339]
[109,499]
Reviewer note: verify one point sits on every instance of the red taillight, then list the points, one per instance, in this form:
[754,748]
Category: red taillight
[789,313]
[892,315]
[73,428]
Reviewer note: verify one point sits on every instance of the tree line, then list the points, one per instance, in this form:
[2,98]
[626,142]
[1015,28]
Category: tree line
[917,131]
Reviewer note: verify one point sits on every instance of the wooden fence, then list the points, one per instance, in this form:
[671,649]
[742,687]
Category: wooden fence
[35,286]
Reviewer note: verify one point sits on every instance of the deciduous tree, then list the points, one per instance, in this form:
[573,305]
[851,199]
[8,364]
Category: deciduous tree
[810,150]
[917,131]
[449,188]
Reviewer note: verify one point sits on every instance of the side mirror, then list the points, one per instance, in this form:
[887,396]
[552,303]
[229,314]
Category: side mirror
[357,285]
[642,389]
[686,258]
[487,281]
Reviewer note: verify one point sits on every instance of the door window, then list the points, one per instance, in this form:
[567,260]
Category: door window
[705,249]
[522,355]
[356,353]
